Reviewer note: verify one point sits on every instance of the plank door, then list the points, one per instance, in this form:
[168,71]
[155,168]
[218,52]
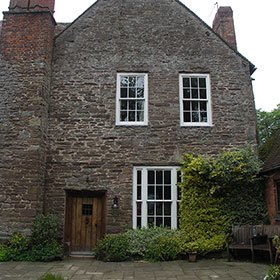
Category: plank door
[85,224]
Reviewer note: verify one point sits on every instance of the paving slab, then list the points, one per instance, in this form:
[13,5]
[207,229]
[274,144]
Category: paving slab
[80,269]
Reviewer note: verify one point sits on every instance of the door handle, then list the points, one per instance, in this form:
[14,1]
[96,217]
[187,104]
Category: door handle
[87,220]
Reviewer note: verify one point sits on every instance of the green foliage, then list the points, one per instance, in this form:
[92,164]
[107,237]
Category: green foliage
[164,248]
[113,248]
[140,239]
[273,273]
[43,245]
[50,276]
[217,192]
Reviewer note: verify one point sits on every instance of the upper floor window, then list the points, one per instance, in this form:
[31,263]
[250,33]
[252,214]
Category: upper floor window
[132,99]
[195,100]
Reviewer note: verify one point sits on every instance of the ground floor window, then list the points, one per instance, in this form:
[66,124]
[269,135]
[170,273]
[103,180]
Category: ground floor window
[155,196]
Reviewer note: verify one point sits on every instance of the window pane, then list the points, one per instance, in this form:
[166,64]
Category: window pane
[132,93]
[140,82]
[151,192]
[132,81]
[187,93]
[140,105]
[195,117]
[186,82]
[203,106]
[140,116]
[123,116]
[139,177]
[167,222]
[123,105]
[124,81]
[195,106]
[123,92]
[139,208]
[194,82]
[159,221]
[167,177]
[167,192]
[159,175]
[151,209]
[151,177]
[139,224]
[187,116]
[132,105]
[187,105]
[203,116]
[140,92]
[167,209]
[151,221]
[139,192]
[131,116]
[159,192]
[202,82]
[159,210]
[203,94]
[195,93]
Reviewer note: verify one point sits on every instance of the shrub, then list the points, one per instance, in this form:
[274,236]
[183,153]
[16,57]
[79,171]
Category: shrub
[47,252]
[273,273]
[50,276]
[112,248]
[4,253]
[164,248]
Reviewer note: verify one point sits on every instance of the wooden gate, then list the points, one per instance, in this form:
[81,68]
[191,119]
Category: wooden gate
[84,223]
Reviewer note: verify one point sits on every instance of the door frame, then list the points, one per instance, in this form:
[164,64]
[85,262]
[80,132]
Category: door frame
[68,213]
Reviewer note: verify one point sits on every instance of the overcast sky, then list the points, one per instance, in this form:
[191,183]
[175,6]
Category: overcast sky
[257,29]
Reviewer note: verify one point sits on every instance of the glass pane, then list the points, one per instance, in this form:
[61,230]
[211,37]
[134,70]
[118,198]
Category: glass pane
[87,209]
[195,106]
[203,117]
[151,209]
[124,81]
[139,176]
[151,192]
[132,105]
[159,221]
[159,175]
[167,192]
[159,210]
[167,209]
[159,192]
[202,82]
[140,82]
[123,92]
[203,106]
[167,222]
[139,208]
[131,116]
[151,177]
[132,92]
[187,116]
[140,93]
[151,221]
[140,105]
[179,176]
[139,192]
[132,81]
[167,177]
[123,105]
[203,94]
[187,105]
[187,93]
[194,82]
[140,116]
[195,93]
[195,117]
[123,116]
[186,82]
[139,224]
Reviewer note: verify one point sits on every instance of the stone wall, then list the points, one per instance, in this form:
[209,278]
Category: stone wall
[87,151]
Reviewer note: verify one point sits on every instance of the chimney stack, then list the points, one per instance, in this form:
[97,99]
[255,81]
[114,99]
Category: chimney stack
[223,25]
[31,5]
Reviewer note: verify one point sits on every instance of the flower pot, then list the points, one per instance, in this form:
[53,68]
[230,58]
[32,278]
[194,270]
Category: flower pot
[192,257]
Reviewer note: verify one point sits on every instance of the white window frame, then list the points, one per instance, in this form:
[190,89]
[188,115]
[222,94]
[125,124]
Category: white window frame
[208,94]
[144,194]
[118,98]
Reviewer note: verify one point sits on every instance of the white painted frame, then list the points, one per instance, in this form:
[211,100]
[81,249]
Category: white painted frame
[208,93]
[174,196]
[118,97]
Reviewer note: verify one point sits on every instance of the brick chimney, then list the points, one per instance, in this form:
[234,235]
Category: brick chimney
[26,44]
[223,25]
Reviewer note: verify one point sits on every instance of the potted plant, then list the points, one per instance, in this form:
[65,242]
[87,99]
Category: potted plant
[191,249]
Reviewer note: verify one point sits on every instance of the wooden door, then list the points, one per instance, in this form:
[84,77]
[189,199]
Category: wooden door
[85,222]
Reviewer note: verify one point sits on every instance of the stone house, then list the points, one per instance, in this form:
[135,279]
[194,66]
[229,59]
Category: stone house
[96,115]
[271,172]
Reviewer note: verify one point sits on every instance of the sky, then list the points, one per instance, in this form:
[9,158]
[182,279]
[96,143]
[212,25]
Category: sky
[257,30]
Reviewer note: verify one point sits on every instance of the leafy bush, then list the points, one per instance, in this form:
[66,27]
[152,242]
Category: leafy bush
[164,248]
[4,253]
[47,252]
[113,248]
[273,273]
[50,276]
